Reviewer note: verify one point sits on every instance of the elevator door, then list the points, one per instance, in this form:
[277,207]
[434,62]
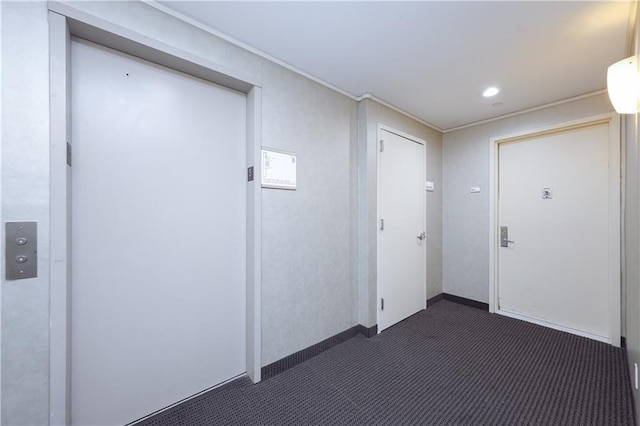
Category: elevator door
[158,236]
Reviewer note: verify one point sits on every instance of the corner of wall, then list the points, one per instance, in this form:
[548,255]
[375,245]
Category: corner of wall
[364,317]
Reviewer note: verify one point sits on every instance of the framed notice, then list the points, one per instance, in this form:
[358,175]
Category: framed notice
[278,169]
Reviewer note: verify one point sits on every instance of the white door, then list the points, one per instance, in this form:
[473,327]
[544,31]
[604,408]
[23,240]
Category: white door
[554,197]
[401,225]
[158,236]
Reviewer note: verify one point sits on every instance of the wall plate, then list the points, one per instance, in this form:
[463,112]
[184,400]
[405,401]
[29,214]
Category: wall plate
[21,250]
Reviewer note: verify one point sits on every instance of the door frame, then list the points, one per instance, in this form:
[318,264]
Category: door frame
[614,246]
[380,128]
[64,22]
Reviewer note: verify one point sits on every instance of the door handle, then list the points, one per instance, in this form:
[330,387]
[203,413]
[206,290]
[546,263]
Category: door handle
[422,235]
[504,236]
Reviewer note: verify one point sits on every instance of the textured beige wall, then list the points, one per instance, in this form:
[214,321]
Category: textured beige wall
[307,290]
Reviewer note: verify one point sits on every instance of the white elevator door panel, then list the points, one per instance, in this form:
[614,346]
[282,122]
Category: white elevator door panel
[401,254]
[557,269]
[158,236]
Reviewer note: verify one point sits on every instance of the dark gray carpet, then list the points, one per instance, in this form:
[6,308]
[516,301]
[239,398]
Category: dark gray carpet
[448,365]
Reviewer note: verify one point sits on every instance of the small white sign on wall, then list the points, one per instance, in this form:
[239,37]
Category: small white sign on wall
[278,169]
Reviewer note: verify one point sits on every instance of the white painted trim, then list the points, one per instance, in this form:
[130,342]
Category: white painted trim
[60,262]
[613,120]
[399,110]
[493,224]
[553,326]
[623,226]
[526,111]
[84,25]
[399,133]
[2,276]
[254,236]
[615,238]
[381,127]
[61,28]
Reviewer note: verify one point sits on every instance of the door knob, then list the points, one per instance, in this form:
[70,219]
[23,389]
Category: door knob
[422,235]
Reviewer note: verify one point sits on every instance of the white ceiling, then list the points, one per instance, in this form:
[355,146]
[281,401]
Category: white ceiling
[434,59]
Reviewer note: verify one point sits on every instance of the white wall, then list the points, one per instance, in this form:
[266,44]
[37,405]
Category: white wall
[466,215]
[631,272]
[370,114]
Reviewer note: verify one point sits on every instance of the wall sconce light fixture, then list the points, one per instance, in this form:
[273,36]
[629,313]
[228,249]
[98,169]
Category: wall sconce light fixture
[622,84]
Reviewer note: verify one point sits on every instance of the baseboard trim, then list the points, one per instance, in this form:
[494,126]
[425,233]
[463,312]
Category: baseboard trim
[465,301]
[368,332]
[435,299]
[303,355]
[553,326]
[299,357]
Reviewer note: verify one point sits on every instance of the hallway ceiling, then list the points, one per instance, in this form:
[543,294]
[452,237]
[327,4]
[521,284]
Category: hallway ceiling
[434,59]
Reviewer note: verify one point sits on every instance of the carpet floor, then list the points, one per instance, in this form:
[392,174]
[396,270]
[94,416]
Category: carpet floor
[447,365]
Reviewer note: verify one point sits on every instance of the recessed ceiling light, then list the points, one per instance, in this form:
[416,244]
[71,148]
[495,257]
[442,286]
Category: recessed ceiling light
[491,91]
